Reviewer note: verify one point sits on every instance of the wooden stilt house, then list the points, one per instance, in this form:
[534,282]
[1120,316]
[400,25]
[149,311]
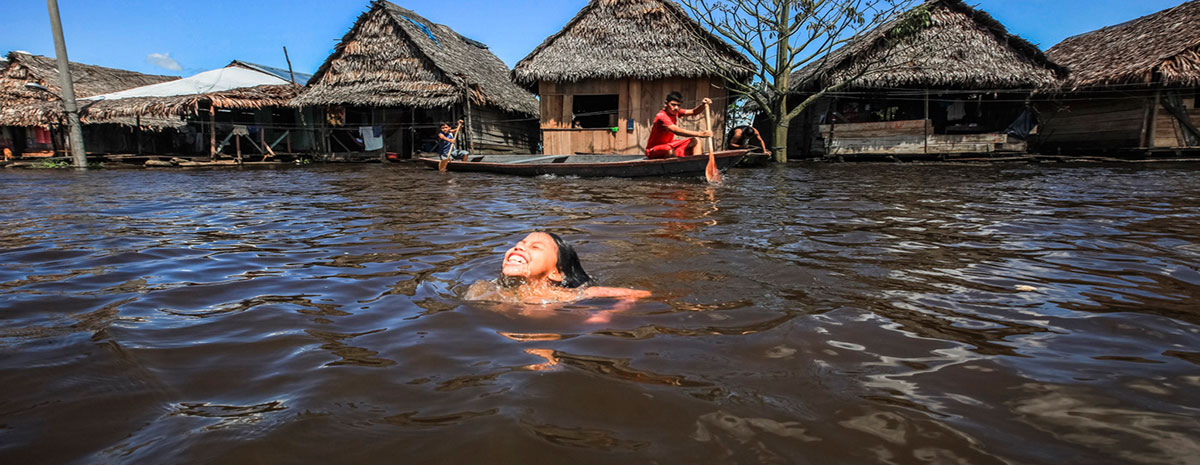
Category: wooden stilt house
[398,72]
[235,111]
[32,115]
[959,86]
[604,76]
[1133,88]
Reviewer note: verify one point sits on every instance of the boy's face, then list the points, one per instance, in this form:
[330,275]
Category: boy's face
[672,106]
[445,128]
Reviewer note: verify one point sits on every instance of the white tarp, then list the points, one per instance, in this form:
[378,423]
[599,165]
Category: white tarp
[217,80]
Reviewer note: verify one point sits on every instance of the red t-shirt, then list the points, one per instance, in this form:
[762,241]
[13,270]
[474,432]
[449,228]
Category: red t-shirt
[659,134]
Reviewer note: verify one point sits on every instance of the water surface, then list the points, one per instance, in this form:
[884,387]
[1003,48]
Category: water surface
[814,313]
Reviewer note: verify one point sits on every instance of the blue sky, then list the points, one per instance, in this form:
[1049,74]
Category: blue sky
[182,38]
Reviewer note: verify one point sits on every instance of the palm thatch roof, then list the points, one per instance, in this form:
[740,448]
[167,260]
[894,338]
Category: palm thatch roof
[246,98]
[232,87]
[1162,48]
[612,39]
[961,47]
[39,103]
[393,57]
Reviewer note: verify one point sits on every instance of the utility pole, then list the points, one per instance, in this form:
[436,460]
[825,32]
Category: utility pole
[68,87]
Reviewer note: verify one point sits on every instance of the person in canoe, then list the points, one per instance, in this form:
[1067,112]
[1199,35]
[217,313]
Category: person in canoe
[662,143]
[743,138]
[543,268]
[446,142]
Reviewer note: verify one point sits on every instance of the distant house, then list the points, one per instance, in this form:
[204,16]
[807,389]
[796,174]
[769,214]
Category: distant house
[956,87]
[1133,88]
[211,113]
[604,76]
[399,72]
[32,115]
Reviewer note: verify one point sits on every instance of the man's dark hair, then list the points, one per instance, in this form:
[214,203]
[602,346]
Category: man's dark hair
[674,96]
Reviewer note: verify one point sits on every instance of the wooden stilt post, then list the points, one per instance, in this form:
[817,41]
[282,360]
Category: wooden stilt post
[212,133]
[237,143]
[1154,119]
[470,145]
[927,121]
[262,141]
[137,133]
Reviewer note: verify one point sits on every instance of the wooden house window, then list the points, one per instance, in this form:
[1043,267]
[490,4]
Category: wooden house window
[595,111]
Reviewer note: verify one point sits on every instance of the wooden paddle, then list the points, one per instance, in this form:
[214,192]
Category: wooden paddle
[446,161]
[710,172]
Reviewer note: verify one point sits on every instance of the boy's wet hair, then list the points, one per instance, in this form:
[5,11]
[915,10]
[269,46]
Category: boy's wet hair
[674,96]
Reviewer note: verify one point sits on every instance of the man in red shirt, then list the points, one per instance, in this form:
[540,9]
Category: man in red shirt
[662,143]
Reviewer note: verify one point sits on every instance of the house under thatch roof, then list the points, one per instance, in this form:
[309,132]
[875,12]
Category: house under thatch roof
[1162,48]
[952,87]
[1153,62]
[393,57]
[29,88]
[603,77]
[611,39]
[398,74]
[962,48]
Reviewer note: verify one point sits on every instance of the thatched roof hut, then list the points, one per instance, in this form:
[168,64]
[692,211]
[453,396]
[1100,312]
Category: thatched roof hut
[1162,48]
[233,87]
[29,88]
[962,48]
[393,57]
[610,39]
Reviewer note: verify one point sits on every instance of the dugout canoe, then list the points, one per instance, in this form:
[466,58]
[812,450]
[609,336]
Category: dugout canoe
[590,166]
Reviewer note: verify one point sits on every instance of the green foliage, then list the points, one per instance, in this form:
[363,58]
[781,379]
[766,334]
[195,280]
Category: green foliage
[914,21]
[888,114]
[52,164]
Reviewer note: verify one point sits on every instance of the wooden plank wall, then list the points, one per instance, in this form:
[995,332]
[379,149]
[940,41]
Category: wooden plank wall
[640,100]
[908,138]
[497,131]
[1092,124]
[1111,123]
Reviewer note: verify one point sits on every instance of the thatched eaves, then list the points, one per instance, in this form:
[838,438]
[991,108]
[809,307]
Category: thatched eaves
[962,48]
[629,39]
[246,98]
[1162,48]
[30,90]
[393,57]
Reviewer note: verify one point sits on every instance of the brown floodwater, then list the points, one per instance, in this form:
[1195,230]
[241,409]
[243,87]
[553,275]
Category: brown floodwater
[813,313]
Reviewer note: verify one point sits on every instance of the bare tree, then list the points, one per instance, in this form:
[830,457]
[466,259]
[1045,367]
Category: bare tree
[783,36]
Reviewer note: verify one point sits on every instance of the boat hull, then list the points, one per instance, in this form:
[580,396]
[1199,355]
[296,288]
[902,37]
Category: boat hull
[619,166]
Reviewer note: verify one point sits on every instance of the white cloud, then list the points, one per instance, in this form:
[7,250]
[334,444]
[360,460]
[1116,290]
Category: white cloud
[163,60]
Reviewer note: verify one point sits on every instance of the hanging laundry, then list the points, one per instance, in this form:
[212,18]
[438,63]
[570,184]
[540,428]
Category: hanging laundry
[957,111]
[42,136]
[372,137]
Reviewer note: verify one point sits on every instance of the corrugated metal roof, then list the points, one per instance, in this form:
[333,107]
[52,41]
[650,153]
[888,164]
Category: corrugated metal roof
[301,78]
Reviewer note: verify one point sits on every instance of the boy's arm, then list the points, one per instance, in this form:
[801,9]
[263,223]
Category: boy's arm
[688,133]
[457,128]
[761,143]
[699,107]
